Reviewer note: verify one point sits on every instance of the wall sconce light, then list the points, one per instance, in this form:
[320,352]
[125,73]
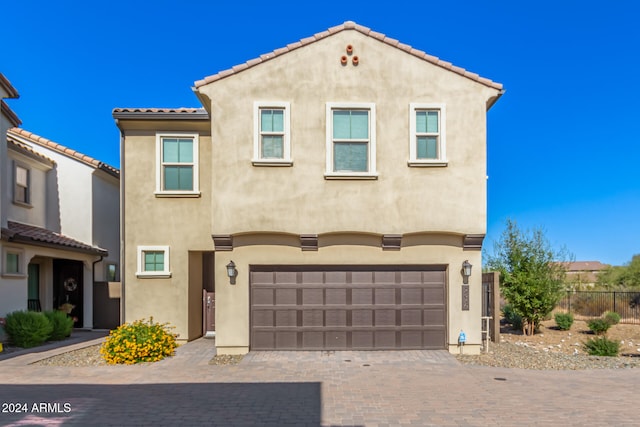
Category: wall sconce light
[232,272]
[466,271]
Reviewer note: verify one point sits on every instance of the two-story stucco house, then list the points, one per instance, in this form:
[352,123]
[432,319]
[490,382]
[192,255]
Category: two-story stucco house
[60,230]
[328,193]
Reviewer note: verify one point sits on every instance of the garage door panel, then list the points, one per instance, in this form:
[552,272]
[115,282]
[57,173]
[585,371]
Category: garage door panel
[286,297]
[434,317]
[385,296]
[336,318]
[287,340]
[363,308]
[336,296]
[313,318]
[312,296]
[263,318]
[362,296]
[362,318]
[262,296]
[286,318]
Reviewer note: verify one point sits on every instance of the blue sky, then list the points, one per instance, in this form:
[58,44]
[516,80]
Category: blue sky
[563,142]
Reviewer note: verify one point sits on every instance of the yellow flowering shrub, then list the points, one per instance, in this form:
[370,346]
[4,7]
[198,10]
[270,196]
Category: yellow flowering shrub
[140,341]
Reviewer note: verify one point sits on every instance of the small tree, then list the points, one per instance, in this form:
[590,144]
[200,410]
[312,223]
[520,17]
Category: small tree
[532,275]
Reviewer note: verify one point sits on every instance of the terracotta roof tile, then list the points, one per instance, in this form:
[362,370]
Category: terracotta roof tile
[26,149]
[39,236]
[181,110]
[349,25]
[47,143]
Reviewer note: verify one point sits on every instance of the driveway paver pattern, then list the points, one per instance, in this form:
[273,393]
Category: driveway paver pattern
[407,388]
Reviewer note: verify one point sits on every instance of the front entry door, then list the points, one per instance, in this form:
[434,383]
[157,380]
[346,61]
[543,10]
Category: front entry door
[67,289]
[209,311]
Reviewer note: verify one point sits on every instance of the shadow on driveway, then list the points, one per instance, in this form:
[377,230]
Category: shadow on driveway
[191,404]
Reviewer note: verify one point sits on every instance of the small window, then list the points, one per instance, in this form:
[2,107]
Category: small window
[153,261]
[12,259]
[427,142]
[21,192]
[112,272]
[271,141]
[351,148]
[177,172]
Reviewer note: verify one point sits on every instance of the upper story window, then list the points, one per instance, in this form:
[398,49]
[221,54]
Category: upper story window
[427,135]
[21,188]
[271,139]
[177,168]
[153,261]
[351,141]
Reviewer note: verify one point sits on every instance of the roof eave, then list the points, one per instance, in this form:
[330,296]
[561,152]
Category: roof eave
[15,237]
[145,115]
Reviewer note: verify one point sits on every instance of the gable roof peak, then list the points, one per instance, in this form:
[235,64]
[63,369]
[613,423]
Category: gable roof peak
[348,25]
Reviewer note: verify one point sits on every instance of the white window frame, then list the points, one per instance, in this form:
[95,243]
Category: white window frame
[257,159]
[6,250]
[141,273]
[160,191]
[371,161]
[17,165]
[442,140]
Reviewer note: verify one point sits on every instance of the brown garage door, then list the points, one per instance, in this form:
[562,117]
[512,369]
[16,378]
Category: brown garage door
[339,308]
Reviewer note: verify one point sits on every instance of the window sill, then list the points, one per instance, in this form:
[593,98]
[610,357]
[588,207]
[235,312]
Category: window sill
[272,162]
[428,163]
[14,275]
[362,176]
[153,275]
[192,194]
[23,204]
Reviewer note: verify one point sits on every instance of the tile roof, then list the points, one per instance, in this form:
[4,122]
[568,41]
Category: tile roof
[30,234]
[8,87]
[161,113]
[27,150]
[11,115]
[349,25]
[47,143]
[585,266]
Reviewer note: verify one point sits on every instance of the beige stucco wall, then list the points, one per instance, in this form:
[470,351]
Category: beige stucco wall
[181,223]
[298,199]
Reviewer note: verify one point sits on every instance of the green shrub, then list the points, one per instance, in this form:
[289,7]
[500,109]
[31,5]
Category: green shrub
[612,317]
[28,328]
[599,326]
[62,324]
[602,346]
[564,321]
[140,341]
[511,317]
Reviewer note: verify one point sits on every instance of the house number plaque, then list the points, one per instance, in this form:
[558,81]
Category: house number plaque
[465,297]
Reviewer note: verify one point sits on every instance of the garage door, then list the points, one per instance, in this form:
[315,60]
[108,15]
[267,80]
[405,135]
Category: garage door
[355,308]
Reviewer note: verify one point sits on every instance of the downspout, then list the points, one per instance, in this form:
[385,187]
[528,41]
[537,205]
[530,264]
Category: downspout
[93,269]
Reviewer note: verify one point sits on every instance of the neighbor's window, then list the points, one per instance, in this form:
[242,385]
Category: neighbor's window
[351,140]
[427,144]
[153,261]
[271,141]
[112,272]
[177,164]
[12,261]
[21,187]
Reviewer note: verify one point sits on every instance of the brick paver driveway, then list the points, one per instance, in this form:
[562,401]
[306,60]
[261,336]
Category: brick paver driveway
[314,389]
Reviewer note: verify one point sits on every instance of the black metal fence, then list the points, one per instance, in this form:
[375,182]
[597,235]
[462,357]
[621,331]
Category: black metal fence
[590,304]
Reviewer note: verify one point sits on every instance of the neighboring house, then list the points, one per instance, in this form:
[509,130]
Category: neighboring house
[583,274]
[326,197]
[60,231]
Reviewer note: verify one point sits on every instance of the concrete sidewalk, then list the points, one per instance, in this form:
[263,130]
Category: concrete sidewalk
[357,389]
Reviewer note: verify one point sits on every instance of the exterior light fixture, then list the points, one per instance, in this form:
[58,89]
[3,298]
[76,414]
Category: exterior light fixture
[232,272]
[466,271]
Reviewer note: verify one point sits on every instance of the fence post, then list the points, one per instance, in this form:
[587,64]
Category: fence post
[614,301]
[569,298]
